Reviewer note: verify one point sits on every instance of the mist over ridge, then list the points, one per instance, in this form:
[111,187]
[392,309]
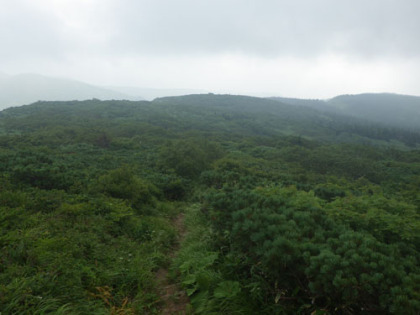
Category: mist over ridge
[388,108]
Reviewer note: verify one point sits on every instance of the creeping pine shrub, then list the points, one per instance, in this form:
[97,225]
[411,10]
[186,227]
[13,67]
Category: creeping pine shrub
[305,257]
[121,183]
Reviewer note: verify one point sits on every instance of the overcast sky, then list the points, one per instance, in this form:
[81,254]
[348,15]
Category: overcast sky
[296,48]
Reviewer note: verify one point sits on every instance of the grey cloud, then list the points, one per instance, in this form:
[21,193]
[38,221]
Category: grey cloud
[269,28]
[26,32]
[146,41]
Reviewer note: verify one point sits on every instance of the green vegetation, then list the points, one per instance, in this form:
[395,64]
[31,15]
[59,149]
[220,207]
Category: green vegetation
[288,210]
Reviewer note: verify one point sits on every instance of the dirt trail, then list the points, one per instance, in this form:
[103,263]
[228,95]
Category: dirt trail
[173,298]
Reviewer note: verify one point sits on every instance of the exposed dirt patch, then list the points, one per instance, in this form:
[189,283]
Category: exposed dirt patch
[174,299]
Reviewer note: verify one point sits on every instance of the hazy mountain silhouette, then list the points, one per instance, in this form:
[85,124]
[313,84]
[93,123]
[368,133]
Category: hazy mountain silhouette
[392,109]
[24,89]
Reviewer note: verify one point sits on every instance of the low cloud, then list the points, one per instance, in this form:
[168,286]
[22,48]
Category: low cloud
[150,42]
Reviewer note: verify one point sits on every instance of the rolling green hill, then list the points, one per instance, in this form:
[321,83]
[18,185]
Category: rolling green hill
[238,115]
[288,209]
[269,117]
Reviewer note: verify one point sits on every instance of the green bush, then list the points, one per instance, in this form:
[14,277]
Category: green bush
[122,184]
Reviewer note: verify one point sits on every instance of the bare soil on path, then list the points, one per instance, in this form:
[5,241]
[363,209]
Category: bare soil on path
[173,299]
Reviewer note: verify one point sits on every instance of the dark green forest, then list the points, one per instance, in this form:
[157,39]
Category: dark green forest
[288,209]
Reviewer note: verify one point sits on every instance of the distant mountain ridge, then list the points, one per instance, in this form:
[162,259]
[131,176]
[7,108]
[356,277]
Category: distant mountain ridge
[24,89]
[402,111]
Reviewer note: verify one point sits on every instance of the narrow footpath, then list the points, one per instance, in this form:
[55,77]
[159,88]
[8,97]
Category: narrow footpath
[174,299]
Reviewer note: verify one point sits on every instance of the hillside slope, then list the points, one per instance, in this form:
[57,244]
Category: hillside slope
[269,117]
[393,109]
[402,111]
